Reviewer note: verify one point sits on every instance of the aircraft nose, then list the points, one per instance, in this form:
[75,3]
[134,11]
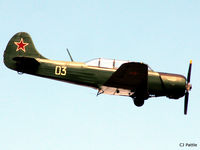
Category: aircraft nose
[174,85]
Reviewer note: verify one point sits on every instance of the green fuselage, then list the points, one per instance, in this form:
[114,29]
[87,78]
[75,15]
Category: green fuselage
[159,84]
[113,77]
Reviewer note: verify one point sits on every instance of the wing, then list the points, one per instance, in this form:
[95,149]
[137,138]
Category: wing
[130,77]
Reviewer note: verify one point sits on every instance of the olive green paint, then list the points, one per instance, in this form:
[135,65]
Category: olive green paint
[28,60]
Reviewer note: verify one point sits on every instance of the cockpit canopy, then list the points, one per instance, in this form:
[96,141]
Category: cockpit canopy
[107,63]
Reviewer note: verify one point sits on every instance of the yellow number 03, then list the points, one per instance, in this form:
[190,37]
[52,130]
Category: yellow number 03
[60,70]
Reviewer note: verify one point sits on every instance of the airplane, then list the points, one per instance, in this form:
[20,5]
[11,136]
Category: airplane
[109,76]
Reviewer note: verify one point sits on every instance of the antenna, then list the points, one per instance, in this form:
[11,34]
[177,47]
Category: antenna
[69,55]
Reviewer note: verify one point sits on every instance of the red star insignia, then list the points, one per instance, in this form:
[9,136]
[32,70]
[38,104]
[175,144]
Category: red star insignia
[21,45]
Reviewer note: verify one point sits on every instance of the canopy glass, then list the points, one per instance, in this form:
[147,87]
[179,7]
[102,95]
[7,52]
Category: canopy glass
[107,63]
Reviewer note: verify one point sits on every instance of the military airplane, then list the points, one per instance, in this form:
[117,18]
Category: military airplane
[109,76]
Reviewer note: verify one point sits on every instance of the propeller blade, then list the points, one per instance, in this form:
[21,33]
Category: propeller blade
[189,72]
[188,88]
[186,102]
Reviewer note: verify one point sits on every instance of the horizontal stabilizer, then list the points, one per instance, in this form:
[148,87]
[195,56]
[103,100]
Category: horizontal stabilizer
[28,60]
[26,64]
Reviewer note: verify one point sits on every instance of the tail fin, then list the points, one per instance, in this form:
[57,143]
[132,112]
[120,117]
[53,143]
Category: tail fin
[20,49]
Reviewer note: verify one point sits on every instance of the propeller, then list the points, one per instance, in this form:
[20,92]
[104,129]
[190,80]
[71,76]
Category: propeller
[188,88]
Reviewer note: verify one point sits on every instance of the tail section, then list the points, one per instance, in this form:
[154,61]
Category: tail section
[21,52]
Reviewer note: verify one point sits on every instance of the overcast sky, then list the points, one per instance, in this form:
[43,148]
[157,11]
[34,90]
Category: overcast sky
[43,114]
